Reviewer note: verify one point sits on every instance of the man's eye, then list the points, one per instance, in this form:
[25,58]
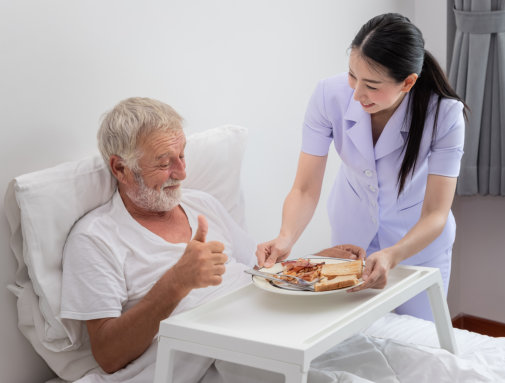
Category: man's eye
[164,166]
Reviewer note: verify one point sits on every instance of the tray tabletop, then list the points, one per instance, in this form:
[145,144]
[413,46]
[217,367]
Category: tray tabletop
[264,322]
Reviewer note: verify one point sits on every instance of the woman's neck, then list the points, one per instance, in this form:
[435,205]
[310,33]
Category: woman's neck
[381,118]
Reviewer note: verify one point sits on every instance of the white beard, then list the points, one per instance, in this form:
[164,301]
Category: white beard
[155,200]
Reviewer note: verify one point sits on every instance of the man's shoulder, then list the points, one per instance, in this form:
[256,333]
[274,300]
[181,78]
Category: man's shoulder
[97,217]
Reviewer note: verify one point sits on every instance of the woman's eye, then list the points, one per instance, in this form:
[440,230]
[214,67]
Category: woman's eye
[371,87]
[164,166]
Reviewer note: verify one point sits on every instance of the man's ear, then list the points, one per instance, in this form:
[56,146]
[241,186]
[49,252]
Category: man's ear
[119,170]
[409,82]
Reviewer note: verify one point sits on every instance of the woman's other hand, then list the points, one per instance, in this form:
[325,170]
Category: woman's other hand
[375,273]
[268,253]
[343,251]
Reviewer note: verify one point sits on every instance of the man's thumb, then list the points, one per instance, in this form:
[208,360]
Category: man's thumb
[203,227]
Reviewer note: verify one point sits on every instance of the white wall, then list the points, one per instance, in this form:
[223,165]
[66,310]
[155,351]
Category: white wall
[255,63]
[477,285]
[430,16]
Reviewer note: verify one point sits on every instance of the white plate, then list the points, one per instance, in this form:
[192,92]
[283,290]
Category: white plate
[262,283]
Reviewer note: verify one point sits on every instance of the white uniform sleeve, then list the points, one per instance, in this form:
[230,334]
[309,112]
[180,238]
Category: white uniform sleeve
[93,284]
[317,129]
[447,148]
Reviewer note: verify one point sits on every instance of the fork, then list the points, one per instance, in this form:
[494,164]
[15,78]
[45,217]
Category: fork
[301,284]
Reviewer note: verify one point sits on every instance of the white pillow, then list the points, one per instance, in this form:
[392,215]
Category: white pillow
[42,207]
[213,164]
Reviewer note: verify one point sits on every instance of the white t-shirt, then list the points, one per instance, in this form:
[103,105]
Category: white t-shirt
[110,261]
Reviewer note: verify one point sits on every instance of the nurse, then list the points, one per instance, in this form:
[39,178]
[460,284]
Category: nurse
[398,128]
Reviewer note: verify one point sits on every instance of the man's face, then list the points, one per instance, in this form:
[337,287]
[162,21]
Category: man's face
[157,186]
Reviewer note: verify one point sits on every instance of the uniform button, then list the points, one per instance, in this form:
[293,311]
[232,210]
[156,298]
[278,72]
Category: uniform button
[368,172]
[374,220]
[373,204]
[372,188]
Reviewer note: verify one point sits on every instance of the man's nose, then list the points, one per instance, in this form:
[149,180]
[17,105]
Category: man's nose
[179,170]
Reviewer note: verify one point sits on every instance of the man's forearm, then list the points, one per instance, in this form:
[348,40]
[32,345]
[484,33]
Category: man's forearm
[118,341]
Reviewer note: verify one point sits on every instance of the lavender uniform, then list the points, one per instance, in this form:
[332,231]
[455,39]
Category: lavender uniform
[364,207]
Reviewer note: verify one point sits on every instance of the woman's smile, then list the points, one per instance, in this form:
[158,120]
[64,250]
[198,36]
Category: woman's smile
[366,106]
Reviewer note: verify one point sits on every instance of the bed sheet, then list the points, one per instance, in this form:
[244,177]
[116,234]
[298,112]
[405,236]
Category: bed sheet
[396,348]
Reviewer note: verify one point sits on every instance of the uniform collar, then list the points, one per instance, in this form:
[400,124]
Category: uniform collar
[360,130]
[391,137]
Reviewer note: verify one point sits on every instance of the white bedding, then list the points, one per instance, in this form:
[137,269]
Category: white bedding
[382,353]
[394,349]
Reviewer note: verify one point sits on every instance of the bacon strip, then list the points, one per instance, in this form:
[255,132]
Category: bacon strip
[302,268]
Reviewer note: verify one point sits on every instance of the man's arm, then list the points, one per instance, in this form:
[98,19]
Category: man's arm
[115,342]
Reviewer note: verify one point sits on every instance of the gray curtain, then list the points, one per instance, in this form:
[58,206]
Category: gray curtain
[477,73]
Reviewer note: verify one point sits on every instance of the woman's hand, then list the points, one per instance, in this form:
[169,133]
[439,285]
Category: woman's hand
[343,251]
[375,273]
[268,253]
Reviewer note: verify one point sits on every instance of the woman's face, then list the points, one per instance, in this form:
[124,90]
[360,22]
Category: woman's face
[375,90]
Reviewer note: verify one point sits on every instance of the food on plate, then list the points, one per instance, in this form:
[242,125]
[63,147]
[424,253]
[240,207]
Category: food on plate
[332,270]
[332,276]
[335,283]
[302,268]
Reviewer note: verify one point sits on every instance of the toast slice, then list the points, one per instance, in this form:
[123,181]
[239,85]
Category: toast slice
[338,282]
[332,270]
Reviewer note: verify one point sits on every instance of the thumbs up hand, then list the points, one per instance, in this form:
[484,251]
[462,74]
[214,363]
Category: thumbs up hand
[201,231]
[202,263]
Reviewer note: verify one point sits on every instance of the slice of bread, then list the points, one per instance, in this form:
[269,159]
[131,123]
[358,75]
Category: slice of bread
[338,282]
[332,270]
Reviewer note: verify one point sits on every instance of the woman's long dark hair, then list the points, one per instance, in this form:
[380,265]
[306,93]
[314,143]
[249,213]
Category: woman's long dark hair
[396,44]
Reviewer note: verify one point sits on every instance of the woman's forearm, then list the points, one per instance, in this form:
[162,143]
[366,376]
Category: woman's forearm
[436,207]
[302,200]
[424,232]
[297,212]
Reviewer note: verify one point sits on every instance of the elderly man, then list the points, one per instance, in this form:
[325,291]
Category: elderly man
[153,249]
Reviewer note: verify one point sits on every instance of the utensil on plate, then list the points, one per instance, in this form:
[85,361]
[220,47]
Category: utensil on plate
[300,284]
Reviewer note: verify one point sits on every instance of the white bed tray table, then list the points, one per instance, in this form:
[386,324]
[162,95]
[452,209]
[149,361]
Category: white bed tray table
[284,333]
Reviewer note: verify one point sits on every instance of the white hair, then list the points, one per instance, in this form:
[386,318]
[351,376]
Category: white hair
[128,122]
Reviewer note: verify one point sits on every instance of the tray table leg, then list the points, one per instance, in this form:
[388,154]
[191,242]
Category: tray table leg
[167,348]
[295,375]
[441,315]
[163,372]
